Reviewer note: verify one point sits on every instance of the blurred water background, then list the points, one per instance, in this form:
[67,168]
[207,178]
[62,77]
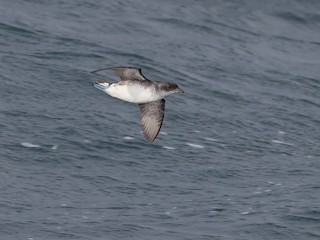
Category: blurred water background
[238,153]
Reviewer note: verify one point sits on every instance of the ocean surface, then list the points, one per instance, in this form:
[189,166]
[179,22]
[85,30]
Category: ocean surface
[238,155]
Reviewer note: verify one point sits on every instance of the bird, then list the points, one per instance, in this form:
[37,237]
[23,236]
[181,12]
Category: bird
[134,87]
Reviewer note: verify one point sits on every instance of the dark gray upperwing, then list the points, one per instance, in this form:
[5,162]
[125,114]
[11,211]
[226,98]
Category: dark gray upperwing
[126,73]
[151,118]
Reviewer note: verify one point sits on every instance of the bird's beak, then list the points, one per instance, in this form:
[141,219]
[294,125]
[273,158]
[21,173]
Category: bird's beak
[180,90]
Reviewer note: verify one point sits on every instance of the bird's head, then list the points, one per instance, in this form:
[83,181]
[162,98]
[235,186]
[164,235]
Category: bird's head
[169,88]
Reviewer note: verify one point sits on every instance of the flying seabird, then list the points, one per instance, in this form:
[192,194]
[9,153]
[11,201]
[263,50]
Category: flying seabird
[135,88]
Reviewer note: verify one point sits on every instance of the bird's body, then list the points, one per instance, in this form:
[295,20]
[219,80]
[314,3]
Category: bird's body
[131,91]
[135,88]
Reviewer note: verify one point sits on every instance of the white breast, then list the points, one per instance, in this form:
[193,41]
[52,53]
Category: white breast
[133,93]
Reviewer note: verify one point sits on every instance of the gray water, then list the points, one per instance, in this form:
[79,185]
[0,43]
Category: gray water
[238,154]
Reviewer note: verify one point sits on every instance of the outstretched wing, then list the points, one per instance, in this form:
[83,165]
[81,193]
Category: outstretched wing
[126,73]
[151,118]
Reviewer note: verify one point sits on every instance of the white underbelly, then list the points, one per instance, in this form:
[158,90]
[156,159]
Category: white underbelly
[133,94]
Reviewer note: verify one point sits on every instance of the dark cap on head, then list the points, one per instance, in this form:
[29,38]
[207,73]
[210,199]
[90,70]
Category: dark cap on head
[169,87]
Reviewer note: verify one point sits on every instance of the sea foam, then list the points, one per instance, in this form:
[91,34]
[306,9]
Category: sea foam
[29,145]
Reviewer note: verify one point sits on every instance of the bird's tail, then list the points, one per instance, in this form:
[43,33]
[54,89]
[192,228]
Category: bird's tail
[102,85]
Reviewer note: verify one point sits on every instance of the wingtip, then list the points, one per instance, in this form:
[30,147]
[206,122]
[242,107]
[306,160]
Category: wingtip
[114,68]
[101,69]
[151,140]
[147,137]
